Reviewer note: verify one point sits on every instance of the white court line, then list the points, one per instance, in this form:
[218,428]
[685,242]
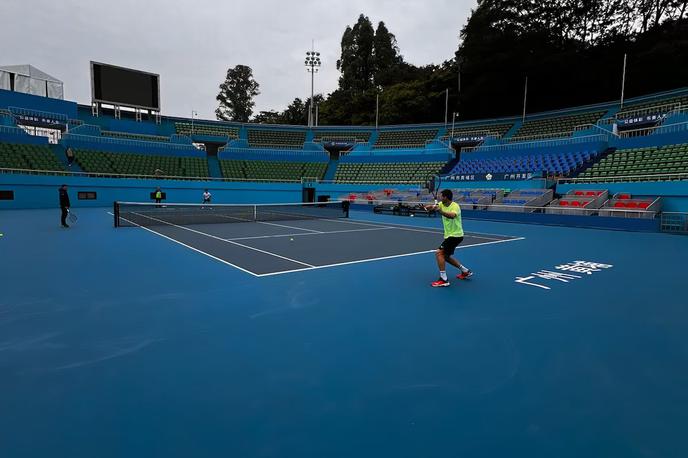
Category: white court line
[229,241]
[317,233]
[190,247]
[325,266]
[271,224]
[312,267]
[410,227]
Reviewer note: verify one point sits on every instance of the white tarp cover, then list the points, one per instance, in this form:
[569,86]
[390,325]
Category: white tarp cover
[30,80]
[4,80]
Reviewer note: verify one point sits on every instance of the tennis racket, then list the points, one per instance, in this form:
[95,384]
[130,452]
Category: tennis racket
[433,184]
[72,216]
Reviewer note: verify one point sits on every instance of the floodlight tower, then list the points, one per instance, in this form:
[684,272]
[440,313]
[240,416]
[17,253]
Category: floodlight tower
[312,65]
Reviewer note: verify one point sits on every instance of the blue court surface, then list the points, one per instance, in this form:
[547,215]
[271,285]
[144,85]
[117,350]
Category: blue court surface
[164,342]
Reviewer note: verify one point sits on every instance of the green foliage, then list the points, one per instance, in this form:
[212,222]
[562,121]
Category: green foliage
[571,50]
[236,95]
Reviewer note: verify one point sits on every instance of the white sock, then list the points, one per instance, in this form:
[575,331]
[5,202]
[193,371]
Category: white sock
[443,275]
[463,268]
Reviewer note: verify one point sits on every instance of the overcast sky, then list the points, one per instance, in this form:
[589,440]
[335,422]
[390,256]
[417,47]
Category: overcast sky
[191,44]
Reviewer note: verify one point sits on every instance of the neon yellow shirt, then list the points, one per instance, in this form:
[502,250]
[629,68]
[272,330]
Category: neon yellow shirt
[452,226]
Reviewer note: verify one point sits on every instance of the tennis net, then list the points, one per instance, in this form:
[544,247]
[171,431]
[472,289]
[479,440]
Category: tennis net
[154,214]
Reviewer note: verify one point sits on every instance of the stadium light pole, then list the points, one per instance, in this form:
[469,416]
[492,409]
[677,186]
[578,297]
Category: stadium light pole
[454,115]
[312,64]
[377,109]
[525,98]
[623,80]
[446,108]
[193,114]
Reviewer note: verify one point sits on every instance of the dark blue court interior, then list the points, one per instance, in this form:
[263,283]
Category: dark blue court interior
[119,342]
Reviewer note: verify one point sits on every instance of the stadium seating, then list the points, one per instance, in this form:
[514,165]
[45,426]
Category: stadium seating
[496,129]
[131,136]
[563,125]
[289,139]
[141,164]
[641,163]
[386,171]
[199,128]
[555,163]
[652,107]
[271,170]
[28,157]
[342,136]
[405,138]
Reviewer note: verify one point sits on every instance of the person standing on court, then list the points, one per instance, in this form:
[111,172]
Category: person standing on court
[158,195]
[453,236]
[64,205]
[207,196]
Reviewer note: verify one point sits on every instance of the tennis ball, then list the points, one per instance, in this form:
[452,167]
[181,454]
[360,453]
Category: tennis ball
[411,215]
[291,239]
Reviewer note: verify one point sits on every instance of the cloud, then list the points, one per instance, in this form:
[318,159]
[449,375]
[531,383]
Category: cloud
[192,45]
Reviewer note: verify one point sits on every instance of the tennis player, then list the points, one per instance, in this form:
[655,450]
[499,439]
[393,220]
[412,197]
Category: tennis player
[64,205]
[453,236]
[206,197]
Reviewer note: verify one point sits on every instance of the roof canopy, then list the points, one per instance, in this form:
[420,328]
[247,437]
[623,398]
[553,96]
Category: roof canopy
[30,80]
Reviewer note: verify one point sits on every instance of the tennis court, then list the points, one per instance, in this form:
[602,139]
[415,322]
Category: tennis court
[121,342]
[271,239]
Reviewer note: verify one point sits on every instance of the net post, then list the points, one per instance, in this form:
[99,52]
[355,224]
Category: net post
[115,212]
[255,213]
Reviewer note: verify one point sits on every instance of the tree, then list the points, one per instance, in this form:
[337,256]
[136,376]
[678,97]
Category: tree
[386,58]
[236,95]
[295,113]
[356,61]
[267,117]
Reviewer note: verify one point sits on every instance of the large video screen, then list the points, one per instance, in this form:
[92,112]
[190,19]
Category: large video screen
[123,86]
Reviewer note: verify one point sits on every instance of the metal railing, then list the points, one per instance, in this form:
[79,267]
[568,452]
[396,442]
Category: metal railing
[540,143]
[552,210]
[674,222]
[13,130]
[661,129]
[583,127]
[274,151]
[137,137]
[128,142]
[17,111]
[543,136]
[141,177]
[626,178]
[664,109]
[471,133]
[373,182]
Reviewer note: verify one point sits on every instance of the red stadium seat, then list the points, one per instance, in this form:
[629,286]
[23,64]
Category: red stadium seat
[619,204]
[575,203]
[632,205]
[643,205]
[624,196]
[591,193]
[579,193]
[563,203]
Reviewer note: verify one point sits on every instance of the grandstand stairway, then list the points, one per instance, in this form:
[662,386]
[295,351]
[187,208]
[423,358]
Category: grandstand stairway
[60,152]
[331,170]
[449,166]
[214,166]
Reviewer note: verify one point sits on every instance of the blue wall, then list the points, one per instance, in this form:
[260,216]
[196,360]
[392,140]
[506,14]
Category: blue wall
[34,102]
[39,191]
